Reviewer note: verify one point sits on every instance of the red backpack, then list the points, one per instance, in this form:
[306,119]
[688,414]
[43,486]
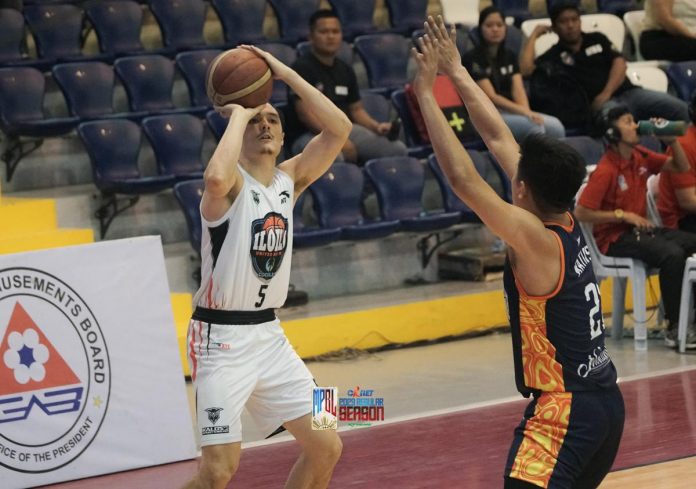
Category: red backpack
[452,106]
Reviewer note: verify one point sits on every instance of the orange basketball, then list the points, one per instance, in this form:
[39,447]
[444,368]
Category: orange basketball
[239,76]
[273,222]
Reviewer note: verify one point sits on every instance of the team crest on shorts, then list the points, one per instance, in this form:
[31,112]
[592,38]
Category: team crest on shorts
[54,372]
[269,238]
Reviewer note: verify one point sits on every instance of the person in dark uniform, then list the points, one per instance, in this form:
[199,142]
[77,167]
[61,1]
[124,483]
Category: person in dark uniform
[324,70]
[495,69]
[599,68]
[571,430]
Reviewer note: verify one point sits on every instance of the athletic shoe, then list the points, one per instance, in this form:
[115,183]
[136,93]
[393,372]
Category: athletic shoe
[672,338]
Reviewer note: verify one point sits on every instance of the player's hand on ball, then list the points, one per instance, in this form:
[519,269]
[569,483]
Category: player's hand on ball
[278,68]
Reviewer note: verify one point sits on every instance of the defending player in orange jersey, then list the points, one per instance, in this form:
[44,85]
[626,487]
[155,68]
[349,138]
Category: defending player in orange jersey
[572,427]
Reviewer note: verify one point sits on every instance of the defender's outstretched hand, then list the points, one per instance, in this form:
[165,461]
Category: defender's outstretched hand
[426,60]
[449,58]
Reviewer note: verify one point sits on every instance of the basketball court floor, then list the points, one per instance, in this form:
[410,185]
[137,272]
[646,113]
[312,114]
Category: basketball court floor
[450,410]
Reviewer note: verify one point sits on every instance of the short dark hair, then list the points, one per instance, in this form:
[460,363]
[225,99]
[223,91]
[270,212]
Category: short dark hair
[553,171]
[323,13]
[490,10]
[560,7]
[614,114]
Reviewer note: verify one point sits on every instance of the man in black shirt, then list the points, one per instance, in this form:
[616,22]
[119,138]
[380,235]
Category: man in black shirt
[599,69]
[336,79]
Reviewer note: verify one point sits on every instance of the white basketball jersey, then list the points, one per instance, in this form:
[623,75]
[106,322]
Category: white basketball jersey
[246,254]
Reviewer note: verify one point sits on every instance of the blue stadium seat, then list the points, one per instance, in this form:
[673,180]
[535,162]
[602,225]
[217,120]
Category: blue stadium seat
[287,55]
[450,201]
[337,201]
[11,39]
[242,20]
[416,146]
[88,87]
[22,91]
[177,141]
[617,7]
[181,23]
[399,182]
[193,65]
[57,31]
[378,106]
[355,17]
[590,149]
[310,237]
[386,59]
[148,80]
[517,9]
[345,52]
[293,18]
[216,123]
[189,194]
[113,147]
[117,24]
[406,15]
[683,78]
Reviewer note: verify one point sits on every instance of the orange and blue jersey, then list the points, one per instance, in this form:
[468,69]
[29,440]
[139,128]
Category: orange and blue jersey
[558,339]
[570,432]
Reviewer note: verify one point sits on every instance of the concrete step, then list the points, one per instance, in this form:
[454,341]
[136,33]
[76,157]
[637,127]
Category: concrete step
[21,215]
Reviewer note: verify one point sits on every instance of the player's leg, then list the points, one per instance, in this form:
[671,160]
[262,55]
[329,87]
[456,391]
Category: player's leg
[321,450]
[217,466]
[599,465]
[223,379]
[283,396]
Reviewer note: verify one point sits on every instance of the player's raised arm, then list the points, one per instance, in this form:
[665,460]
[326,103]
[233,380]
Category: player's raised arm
[484,115]
[222,178]
[515,225]
[322,150]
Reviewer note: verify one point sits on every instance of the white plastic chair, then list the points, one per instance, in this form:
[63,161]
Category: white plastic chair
[543,43]
[621,269]
[686,307]
[464,12]
[645,76]
[634,24]
[608,24]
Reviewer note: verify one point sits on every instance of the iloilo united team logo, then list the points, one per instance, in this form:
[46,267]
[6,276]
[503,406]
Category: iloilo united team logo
[55,374]
[269,238]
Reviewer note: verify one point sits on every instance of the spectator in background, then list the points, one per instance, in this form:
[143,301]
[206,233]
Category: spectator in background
[336,79]
[677,201]
[615,202]
[598,68]
[669,30]
[496,71]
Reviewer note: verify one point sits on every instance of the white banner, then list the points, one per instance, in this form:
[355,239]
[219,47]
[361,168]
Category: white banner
[90,376]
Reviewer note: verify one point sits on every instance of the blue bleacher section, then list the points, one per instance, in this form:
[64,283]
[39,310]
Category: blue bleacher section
[167,101]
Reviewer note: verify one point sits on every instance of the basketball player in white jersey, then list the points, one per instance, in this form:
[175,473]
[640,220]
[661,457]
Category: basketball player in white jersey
[238,352]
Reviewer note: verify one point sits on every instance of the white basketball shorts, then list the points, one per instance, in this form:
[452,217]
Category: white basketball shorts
[253,365]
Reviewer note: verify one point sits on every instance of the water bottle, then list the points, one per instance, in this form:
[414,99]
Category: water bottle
[661,128]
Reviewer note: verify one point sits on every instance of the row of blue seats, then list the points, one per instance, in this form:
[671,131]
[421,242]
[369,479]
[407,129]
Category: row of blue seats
[59,30]
[338,197]
[519,9]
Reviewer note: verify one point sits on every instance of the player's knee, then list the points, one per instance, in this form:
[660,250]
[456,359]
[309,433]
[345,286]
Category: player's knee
[218,475]
[327,451]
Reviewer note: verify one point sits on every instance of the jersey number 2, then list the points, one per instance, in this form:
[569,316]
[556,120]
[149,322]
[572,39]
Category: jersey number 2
[592,295]
[262,295]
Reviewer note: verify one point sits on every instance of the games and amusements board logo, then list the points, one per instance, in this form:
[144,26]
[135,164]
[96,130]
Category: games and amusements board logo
[55,375]
[361,407]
